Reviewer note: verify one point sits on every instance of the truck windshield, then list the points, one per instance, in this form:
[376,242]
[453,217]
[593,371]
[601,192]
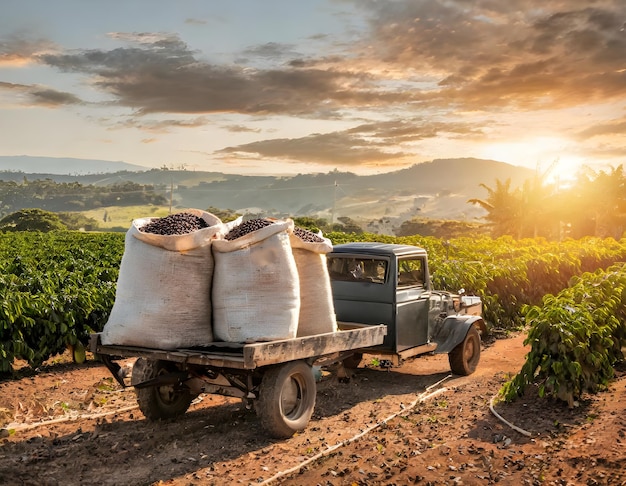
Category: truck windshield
[357,269]
[410,272]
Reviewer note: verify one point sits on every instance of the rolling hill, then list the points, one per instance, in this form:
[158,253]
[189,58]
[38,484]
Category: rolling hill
[438,190]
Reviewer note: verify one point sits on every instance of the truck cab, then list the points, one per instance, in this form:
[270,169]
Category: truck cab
[380,283]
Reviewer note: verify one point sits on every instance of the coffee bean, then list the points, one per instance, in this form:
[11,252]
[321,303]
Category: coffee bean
[247,227]
[306,235]
[175,224]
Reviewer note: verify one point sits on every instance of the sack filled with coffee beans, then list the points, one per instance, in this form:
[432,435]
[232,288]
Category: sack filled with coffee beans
[256,293]
[317,311]
[163,295]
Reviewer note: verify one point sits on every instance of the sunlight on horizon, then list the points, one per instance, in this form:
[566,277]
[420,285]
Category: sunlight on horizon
[549,156]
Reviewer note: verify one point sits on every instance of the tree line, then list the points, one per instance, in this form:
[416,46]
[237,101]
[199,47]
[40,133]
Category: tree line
[594,204]
[49,195]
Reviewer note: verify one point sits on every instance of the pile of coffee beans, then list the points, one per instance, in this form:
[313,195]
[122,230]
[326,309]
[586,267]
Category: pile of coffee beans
[306,235]
[175,224]
[247,227]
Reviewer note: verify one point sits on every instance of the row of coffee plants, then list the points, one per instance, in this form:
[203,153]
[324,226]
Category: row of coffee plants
[55,288]
[576,338]
[507,273]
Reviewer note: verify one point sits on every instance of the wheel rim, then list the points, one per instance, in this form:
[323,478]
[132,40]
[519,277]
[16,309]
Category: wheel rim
[166,393]
[291,397]
[470,351]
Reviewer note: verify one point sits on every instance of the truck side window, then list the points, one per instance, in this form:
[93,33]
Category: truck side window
[357,269]
[411,273]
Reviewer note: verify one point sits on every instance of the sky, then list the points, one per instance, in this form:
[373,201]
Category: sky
[286,87]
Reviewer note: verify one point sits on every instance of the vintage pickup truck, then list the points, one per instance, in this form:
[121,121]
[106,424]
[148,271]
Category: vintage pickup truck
[378,283]
[384,306]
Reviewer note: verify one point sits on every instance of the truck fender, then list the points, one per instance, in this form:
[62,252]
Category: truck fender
[451,331]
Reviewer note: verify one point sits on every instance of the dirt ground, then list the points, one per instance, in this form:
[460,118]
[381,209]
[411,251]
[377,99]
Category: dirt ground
[73,424]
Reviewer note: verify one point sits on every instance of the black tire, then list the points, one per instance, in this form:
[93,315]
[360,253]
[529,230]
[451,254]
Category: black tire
[286,399]
[465,356]
[159,402]
[353,361]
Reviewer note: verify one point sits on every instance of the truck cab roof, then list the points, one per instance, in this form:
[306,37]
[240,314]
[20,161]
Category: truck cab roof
[381,249]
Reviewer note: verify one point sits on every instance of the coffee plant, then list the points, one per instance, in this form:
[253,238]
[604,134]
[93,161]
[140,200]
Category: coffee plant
[56,289]
[576,337]
[59,287]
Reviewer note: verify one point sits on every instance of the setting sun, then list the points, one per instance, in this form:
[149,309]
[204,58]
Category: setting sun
[548,154]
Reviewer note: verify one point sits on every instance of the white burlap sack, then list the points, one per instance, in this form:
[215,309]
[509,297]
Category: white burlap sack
[317,311]
[256,294]
[163,295]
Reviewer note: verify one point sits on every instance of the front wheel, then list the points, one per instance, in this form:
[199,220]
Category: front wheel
[286,399]
[161,401]
[465,356]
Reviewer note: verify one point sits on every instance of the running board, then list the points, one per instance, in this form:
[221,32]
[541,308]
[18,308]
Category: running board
[411,352]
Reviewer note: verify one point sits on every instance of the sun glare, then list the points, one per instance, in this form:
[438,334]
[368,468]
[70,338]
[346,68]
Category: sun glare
[549,156]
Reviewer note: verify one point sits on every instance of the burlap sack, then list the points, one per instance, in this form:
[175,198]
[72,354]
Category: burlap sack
[163,295]
[317,311]
[256,294]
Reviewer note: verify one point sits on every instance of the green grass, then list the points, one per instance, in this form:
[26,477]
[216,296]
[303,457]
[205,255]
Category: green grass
[122,216]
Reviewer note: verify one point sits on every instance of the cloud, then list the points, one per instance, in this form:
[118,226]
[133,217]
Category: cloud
[52,98]
[18,51]
[161,126]
[513,54]
[194,21]
[396,132]
[328,149]
[39,96]
[477,56]
[160,74]
[361,145]
[241,129]
[270,50]
[612,127]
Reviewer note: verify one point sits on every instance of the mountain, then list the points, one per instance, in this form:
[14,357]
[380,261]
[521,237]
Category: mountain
[60,166]
[437,190]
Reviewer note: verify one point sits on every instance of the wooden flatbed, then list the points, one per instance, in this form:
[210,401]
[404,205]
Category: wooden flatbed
[275,377]
[249,356]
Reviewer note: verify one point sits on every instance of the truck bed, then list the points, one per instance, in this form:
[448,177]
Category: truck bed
[248,356]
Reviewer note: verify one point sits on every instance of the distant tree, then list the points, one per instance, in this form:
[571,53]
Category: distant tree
[504,209]
[32,220]
[225,215]
[346,225]
[444,229]
[311,224]
[539,215]
[597,204]
[77,221]
[594,205]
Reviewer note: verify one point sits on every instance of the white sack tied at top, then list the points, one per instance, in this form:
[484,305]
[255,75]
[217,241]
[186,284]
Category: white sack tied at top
[256,292]
[317,311]
[163,295]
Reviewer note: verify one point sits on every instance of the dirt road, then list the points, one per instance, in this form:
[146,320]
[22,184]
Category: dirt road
[72,424]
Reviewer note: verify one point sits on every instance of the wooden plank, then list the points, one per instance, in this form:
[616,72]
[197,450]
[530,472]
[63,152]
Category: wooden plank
[252,355]
[273,352]
[206,358]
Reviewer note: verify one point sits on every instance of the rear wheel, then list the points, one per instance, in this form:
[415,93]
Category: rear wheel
[286,399]
[162,401]
[465,356]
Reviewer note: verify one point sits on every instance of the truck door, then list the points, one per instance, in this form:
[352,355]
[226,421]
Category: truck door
[412,302]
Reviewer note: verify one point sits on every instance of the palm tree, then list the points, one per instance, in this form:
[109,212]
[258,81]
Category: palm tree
[601,202]
[504,208]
